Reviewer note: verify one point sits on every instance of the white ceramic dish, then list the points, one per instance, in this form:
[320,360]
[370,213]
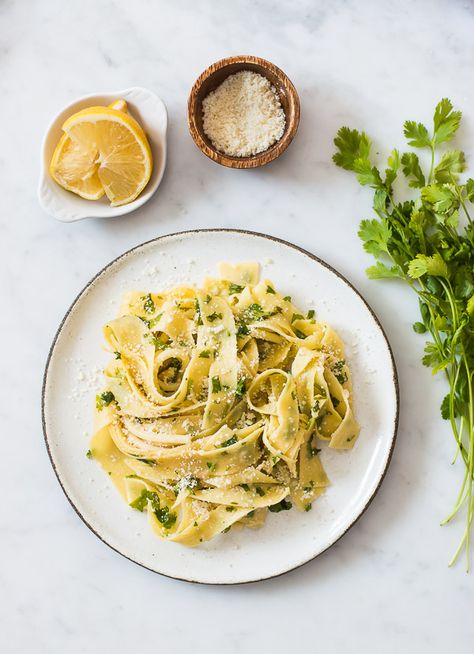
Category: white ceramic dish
[68,207]
[288,539]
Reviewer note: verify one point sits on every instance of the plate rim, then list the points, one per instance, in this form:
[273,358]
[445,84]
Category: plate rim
[228,231]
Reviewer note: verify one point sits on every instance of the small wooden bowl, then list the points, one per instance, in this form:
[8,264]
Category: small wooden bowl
[212,77]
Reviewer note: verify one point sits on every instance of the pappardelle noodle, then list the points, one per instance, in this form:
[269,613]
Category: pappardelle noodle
[216,403]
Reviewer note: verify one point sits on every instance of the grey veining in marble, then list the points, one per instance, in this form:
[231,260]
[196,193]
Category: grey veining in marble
[385,587]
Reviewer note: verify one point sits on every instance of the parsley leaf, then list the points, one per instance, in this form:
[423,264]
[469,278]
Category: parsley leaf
[352,145]
[380,271]
[375,235]
[412,170]
[423,265]
[446,121]
[451,164]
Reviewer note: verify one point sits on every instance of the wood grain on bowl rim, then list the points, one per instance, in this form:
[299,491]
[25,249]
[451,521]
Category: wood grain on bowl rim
[212,77]
[276,240]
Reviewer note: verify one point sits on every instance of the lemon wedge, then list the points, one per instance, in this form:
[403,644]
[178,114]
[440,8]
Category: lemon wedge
[119,104]
[103,150]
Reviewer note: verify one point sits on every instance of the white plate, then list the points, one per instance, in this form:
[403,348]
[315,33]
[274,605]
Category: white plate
[288,539]
[149,110]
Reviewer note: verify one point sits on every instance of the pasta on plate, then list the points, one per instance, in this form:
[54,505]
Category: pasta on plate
[215,400]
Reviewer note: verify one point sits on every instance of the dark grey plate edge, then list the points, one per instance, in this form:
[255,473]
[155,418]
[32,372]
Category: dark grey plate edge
[231,231]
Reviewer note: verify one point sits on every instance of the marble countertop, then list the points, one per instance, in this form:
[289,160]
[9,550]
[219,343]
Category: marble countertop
[385,587]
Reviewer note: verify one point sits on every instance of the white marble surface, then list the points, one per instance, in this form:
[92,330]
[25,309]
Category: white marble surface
[385,586]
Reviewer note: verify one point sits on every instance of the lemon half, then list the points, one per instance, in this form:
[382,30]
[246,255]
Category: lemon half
[103,150]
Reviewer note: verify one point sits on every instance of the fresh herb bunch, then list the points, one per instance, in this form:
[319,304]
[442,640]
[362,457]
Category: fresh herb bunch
[428,242]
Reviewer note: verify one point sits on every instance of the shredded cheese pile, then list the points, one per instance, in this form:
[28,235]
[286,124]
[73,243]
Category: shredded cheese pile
[243,116]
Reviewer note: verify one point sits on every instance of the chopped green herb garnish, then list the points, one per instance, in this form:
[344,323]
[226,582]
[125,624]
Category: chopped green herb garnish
[246,487]
[235,288]
[163,514]
[308,507]
[338,371]
[251,514]
[149,305]
[118,355]
[270,290]
[141,501]
[158,343]
[254,313]
[312,451]
[154,321]
[207,299]
[287,298]
[240,388]
[104,399]
[311,314]
[216,384]
[224,531]
[230,441]
[230,508]
[205,354]
[147,322]
[197,309]
[89,454]
[214,316]
[260,491]
[299,333]
[297,316]
[284,505]
[211,466]
[242,329]
[189,483]
[335,402]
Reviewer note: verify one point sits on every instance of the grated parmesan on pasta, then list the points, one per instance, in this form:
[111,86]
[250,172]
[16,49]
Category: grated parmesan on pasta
[243,116]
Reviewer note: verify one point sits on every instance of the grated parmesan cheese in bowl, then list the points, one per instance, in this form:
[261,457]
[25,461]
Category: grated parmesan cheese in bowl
[243,116]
